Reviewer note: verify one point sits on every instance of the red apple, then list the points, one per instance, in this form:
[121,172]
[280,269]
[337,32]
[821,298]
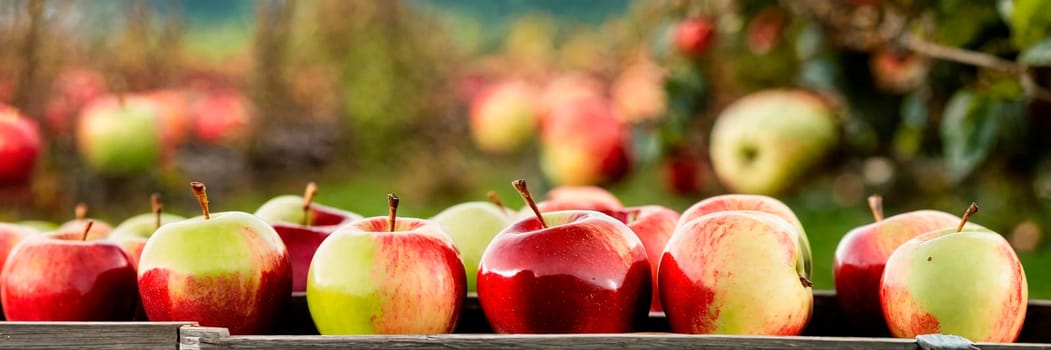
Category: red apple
[694,36]
[564,272]
[11,235]
[683,174]
[862,254]
[638,92]
[898,72]
[504,117]
[735,272]
[63,277]
[99,229]
[654,225]
[583,142]
[19,146]
[223,116]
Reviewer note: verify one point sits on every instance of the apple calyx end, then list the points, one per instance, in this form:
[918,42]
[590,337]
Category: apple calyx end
[80,211]
[200,191]
[392,206]
[157,207]
[308,199]
[876,205]
[523,190]
[971,210]
[87,229]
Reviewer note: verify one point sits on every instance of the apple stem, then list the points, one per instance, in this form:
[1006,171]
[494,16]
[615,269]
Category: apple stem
[523,190]
[155,203]
[392,207]
[80,211]
[496,200]
[199,191]
[308,198]
[876,204]
[807,283]
[87,229]
[967,215]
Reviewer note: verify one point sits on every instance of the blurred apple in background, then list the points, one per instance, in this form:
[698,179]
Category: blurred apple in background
[174,113]
[67,276]
[654,225]
[694,36]
[386,275]
[863,252]
[71,91]
[303,225]
[120,135]
[132,233]
[765,142]
[735,272]
[898,72]
[472,226]
[584,143]
[570,271]
[99,229]
[567,197]
[20,145]
[683,173]
[965,281]
[504,117]
[222,116]
[638,91]
[226,269]
[567,88]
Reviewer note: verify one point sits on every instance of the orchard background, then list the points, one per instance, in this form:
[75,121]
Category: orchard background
[938,103]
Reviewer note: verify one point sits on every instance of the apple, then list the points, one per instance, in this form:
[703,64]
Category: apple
[222,116]
[761,203]
[735,272]
[173,113]
[766,30]
[654,225]
[63,276]
[225,269]
[584,143]
[862,253]
[386,275]
[131,234]
[898,72]
[99,229]
[289,216]
[11,235]
[638,92]
[567,89]
[71,90]
[764,142]
[573,271]
[472,226]
[694,36]
[504,117]
[965,281]
[683,173]
[120,135]
[585,196]
[20,145]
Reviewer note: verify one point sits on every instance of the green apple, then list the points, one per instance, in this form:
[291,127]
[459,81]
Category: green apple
[472,226]
[131,234]
[120,136]
[223,270]
[965,281]
[764,142]
[385,275]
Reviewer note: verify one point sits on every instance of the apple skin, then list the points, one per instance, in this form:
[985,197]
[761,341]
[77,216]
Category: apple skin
[58,277]
[120,137]
[231,270]
[694,36]
[967,283]
[99,229]
[755,202]
[131,234]
[654,225]
[504,117]
[585,273]
[583,142]
[285,213]
[764,142]
[472,226]
[10,236]
[20,145]
[860,258]
[585,195]
[734,272]
[366,280]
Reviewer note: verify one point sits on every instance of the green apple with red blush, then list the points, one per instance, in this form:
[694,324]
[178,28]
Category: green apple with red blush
[572,271]
[68,276]
[132,233]
[227,269]
[965,281]
[386,275]
[472,225]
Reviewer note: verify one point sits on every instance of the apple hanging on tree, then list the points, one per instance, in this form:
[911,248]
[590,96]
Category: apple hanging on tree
[226,269]
[965,281]
[573,271]
[386,275]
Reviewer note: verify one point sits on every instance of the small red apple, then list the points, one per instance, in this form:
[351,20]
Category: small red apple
[223,116]
[564,272]
[20,145]
[583,142]
[694,36]
[654,225]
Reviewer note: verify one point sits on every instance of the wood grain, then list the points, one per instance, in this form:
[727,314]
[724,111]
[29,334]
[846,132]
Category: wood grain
[90,335]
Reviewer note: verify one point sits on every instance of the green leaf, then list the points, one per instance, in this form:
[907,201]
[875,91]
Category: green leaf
[914,114]
[968,130]
[960,22]
[1030,22]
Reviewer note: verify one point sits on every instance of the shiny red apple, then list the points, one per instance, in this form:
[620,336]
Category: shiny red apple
[654,225]
[20,145]
[694,36]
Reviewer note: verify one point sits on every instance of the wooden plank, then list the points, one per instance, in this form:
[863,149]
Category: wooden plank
[90,335]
